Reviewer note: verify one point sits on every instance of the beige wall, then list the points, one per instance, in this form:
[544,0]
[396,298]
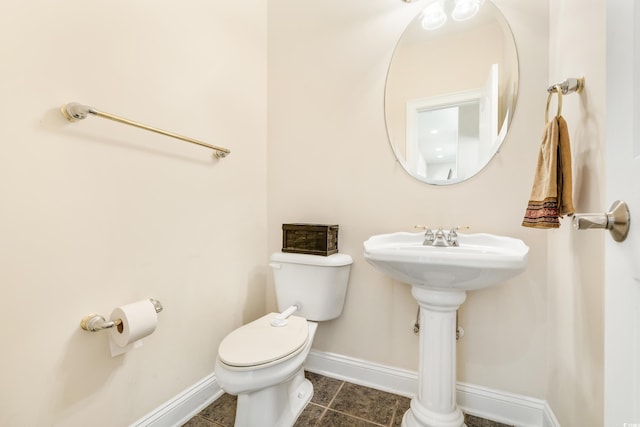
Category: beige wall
[330,162]
[96,214]
[576,268]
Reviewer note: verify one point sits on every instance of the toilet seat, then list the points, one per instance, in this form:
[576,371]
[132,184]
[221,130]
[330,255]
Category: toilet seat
[258,343]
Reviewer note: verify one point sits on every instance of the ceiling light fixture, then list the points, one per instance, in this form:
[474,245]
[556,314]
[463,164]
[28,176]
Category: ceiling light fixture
[434,15]
[466,9]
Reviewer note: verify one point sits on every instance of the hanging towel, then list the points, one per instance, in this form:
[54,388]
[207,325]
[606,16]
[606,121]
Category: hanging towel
[552,193]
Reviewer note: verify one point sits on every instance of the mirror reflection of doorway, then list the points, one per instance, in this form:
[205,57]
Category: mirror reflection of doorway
[448,141]
[451,137]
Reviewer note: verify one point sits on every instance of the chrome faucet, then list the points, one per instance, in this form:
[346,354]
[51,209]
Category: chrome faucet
[429,237]
[441,238]
[452,237]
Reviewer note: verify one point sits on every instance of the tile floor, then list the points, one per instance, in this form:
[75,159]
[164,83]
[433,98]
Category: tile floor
[335,403]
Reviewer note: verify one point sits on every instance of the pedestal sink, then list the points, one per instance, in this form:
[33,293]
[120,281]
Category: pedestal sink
[439,279]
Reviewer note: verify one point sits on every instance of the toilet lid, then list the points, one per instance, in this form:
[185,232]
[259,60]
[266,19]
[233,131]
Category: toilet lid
[258,342]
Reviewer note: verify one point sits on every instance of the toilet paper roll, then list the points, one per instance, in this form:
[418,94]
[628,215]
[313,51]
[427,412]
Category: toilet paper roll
[139,319]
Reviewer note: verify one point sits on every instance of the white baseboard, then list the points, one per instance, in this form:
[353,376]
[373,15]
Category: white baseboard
[184,406]
[385,378]
[507,408]
[504,407]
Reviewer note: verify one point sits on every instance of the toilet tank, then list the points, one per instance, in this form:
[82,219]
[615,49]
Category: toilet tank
[317,284]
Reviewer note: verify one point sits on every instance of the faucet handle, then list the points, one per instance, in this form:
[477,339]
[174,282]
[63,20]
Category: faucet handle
[429,237]
[452,237]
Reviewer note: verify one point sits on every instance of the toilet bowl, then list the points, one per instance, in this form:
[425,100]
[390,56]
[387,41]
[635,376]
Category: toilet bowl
[270,385]
[262,362]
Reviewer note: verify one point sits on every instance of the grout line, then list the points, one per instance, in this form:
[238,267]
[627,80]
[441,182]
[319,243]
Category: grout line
[324,411]
[335,395]
[357,418]
[326,408]
[209,422]
[395,411]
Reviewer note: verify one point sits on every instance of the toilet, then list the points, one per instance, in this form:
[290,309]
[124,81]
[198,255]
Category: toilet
[262,362]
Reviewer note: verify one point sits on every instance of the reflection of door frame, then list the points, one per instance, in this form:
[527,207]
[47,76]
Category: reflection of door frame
[416,106]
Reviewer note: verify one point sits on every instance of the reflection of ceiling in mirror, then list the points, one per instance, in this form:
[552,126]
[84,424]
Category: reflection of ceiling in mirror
[415,33]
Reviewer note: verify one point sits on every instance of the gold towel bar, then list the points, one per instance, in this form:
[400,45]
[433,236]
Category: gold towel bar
[74,112]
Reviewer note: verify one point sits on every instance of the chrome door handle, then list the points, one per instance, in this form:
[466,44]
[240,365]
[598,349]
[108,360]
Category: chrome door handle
[616,221]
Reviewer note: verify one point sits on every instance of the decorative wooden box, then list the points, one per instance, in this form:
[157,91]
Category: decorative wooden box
[314,239]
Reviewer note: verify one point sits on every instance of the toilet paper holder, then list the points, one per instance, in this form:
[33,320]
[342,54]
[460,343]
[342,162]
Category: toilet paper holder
[93,322]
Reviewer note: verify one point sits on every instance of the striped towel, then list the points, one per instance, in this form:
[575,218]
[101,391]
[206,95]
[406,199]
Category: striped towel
[551,195]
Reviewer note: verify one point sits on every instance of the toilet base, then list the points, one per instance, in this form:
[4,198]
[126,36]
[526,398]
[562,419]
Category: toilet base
[277,406]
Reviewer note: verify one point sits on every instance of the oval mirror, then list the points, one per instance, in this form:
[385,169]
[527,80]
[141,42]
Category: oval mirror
[451,91]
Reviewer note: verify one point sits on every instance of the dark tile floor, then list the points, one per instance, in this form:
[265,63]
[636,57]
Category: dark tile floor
[335,403]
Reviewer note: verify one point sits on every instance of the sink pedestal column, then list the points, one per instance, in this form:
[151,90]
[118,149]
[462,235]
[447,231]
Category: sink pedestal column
[435,405]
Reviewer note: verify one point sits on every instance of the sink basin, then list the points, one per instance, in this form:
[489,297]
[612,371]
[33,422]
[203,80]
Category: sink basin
[481,260]
[439,278]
